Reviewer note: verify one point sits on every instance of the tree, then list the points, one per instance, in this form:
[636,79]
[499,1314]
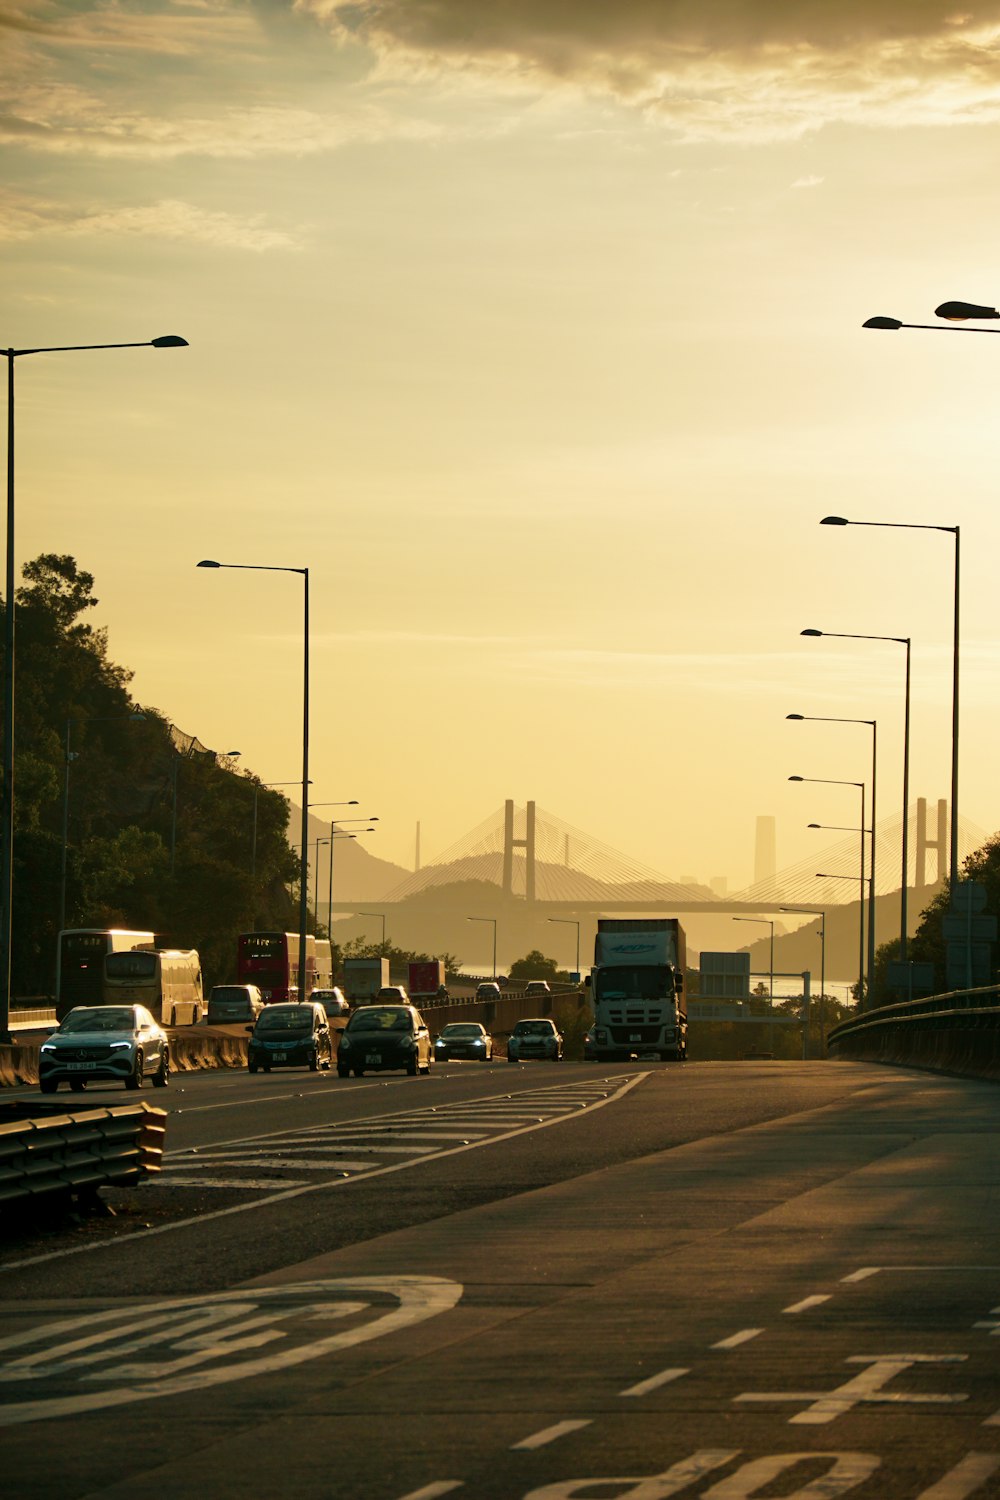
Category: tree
[535,965]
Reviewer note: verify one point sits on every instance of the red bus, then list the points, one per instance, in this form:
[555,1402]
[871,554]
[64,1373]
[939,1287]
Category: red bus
[270,960]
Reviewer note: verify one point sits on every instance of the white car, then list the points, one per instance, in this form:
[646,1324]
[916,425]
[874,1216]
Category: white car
[120,1042]
[536,1036]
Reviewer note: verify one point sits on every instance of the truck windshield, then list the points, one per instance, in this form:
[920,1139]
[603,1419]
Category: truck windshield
[634,982]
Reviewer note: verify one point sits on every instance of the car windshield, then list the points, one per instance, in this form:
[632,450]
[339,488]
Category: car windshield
[533,1028]
[109,1018]
[462,1028]
[285,1018]
[380,1018]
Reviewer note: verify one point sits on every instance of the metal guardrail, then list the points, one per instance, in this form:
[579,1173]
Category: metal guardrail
[965,1007]
[75,1154]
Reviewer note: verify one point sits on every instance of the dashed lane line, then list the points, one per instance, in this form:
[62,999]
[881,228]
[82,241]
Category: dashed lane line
[287,1194]
[736,1339]
[654,1382]
[549,1435]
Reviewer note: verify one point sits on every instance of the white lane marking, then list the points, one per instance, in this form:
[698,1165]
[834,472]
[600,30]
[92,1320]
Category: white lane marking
[736,1339]
[291,1310]
[807,1302]
[868,1387]
[548,1435]
[654,1382]
[863,1274]
[964,1479]
[993,1421]
[313,1187]
[431,1491]
[332,1164]
[247,1184]
[846,1472]
[650,1486]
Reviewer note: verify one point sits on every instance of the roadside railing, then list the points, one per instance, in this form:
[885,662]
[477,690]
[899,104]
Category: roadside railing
[956,1032]
[75,1154]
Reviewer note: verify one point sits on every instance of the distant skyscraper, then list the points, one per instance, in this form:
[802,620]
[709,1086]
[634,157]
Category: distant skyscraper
[719,884]
[764,859]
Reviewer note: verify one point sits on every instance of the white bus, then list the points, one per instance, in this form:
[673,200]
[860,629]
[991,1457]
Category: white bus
[167,981]
[80,954]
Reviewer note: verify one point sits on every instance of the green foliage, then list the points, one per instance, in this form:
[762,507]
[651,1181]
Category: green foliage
[535,965]
[398,957]
[574,1021]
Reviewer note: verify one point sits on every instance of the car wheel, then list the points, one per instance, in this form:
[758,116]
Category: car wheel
[162,1075]
[76,1084]
[511,1059]
[251,1067]
[134,1080]
[328,1062]
[47,1085]
[359,1072]
[266,1067]
[313,1062]
[343,1072]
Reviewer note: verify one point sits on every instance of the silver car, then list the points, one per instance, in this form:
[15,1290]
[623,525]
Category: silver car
[120,1042]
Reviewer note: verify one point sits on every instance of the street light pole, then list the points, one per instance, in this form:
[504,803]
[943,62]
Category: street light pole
[166,341]
[571,922]
[873,725]
[766,922]
[809,911]
[303,849]
[954,531]
[494,921]
[900,640]
[825,781]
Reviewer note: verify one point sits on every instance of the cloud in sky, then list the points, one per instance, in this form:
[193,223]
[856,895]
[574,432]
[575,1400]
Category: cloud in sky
[22,217]
[709,68]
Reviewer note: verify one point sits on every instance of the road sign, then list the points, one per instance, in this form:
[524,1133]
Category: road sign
[957,956]
[958,927]
[968,895]
[724,976]
[910,980]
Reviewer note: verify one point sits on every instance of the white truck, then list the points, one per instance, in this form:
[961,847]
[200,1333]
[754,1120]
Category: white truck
[364,977]
[635,988]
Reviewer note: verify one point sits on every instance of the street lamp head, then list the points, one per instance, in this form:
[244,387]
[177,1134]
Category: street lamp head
[795,716]
[796,778]
[208,563]
[835,521]
[169,341]
[810,632]
[814,825]
[957,312]
[892,323]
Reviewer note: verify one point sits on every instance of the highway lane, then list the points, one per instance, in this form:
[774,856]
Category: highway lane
[804,1301]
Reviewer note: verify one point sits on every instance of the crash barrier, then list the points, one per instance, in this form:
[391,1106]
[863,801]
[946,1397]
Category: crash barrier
[955,1033]
[42,1153]
[191,1050]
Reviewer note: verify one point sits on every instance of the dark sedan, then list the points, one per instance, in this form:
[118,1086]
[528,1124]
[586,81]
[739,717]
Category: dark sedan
[464,1039]
[289,1036]
[385,1038]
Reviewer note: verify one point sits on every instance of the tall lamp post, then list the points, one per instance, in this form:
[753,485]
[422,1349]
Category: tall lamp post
[349,802]
[69,757]
[873,726]
[166,341]
[900,640]
[766,922]
[494,921]
[377,914]
[821,913]
[956,533]
[571,922]
[334,836]
[825,781]
[304,852]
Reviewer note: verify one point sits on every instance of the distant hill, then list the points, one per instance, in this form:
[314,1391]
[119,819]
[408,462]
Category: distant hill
[357,874]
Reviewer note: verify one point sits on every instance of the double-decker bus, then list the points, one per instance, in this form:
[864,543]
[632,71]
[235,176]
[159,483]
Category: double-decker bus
[270,960]
[80,954]
[167,981]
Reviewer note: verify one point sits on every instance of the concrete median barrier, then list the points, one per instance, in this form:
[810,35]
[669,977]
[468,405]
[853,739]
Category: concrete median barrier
[193,1049]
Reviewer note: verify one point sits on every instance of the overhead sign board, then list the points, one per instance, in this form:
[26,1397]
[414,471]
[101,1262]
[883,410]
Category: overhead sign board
[724,976]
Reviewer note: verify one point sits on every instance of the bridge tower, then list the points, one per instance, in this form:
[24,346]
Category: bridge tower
[510,843]
[940,845]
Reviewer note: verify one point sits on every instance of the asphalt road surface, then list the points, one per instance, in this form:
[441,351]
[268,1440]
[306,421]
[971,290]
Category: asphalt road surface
[552,1281]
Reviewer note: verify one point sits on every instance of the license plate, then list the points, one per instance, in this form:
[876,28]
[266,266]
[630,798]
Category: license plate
[374,1059]
[279,1056]
[80,1067]
[635,1036]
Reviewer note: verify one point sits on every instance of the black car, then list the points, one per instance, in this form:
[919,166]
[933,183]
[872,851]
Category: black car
[384,1038]
[290,1036]
[464,1039]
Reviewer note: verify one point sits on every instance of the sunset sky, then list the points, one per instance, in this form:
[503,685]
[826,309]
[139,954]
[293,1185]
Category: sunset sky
[534,330]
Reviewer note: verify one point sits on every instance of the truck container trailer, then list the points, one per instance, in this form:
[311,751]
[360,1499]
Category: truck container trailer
[364,977]
[636,986]
[425,980]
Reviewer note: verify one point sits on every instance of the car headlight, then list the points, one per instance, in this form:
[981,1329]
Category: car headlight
[48,1047]
[479,1042]
[345,1040]
[408,1043]
[121,1046]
